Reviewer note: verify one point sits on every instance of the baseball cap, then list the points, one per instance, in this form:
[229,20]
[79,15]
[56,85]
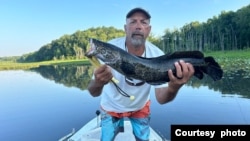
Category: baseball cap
[138,9]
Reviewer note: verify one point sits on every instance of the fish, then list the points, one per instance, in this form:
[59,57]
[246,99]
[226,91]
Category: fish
[152,70]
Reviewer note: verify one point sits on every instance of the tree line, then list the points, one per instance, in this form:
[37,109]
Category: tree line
[227,31]
[71,46]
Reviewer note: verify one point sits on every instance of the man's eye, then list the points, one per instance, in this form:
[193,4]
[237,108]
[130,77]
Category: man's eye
[144,22]
[133,22]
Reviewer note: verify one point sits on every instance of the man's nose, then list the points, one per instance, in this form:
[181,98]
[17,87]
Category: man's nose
[138,25]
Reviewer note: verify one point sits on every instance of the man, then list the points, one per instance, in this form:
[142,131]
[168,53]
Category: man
[115,106]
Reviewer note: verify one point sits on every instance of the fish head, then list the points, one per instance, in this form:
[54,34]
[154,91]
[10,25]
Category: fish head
[102,51]
[92,50]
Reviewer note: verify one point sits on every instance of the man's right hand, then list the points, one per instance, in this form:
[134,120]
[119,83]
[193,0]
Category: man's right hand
[102,75]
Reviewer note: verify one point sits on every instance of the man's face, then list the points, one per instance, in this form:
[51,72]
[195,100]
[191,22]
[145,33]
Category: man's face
[137,28]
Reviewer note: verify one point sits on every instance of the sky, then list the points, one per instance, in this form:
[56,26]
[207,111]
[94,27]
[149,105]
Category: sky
[27,25]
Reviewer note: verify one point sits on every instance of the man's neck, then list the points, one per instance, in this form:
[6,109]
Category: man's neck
[136,50]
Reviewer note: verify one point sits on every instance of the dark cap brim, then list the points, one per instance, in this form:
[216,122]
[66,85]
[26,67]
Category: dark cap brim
[131,12]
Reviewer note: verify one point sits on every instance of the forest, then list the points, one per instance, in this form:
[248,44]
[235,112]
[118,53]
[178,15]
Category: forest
[227,31]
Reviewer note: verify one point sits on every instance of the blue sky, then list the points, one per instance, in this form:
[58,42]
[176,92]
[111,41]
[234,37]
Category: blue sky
[26,25]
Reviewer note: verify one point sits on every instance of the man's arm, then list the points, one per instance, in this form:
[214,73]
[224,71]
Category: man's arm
[102,76]
[184,72]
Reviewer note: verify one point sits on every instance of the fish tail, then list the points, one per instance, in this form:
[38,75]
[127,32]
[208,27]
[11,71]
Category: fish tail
[212,68]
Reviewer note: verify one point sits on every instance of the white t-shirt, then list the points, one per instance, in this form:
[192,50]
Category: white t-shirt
[112,100]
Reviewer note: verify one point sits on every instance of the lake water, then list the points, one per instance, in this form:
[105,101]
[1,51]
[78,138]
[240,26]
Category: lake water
[45,104]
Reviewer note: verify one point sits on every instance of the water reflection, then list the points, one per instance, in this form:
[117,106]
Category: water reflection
[233,82]
[70,76]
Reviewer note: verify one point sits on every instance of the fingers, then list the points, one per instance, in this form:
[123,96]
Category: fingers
[190,69]
[184,71]
[180,67]
[103,74]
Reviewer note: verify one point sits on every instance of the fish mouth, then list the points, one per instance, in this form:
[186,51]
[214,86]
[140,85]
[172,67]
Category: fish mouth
[92,50]
[90,53]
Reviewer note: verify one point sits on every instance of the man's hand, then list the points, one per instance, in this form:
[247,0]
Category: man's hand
[102,75]
[184,71]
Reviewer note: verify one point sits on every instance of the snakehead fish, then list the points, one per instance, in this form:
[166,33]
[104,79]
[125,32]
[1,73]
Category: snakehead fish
[152,70]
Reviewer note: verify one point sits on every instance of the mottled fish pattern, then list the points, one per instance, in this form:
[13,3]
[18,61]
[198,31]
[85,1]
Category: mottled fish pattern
[152,70]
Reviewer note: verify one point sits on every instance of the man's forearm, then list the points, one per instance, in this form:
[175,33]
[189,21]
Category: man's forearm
[167,94]
[94,89]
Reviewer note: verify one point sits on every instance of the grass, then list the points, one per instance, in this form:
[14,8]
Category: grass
[232,60]
[9,65]
[239,54]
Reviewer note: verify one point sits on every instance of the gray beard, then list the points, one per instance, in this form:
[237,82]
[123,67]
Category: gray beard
[137,42]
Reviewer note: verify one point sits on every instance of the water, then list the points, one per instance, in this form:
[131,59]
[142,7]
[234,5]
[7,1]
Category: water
[36,109]
[40,106]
